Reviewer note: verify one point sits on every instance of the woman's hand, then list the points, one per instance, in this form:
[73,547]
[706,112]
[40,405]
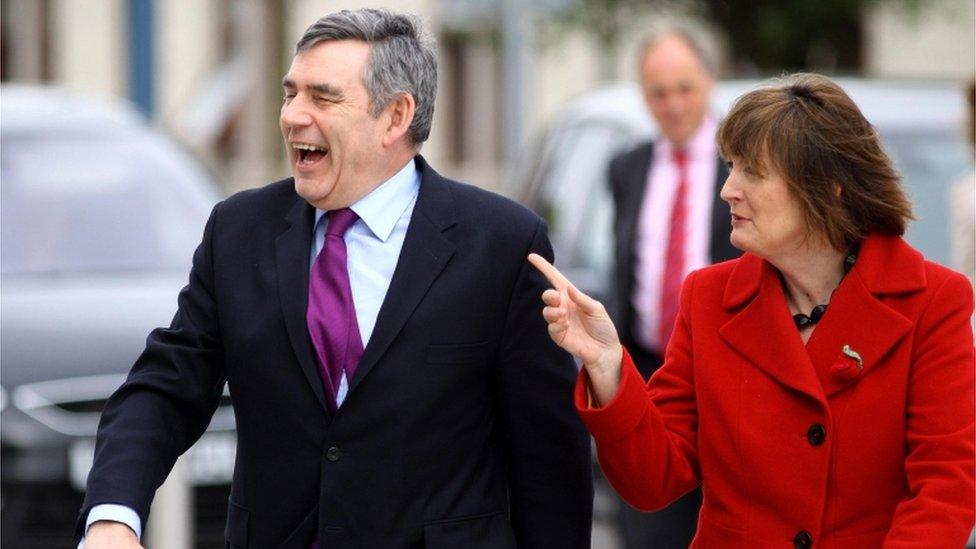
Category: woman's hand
[580,324]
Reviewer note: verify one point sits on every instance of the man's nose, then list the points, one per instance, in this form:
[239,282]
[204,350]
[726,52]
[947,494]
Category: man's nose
[294,114]
[676,103]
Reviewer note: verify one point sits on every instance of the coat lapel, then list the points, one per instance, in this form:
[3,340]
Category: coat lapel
[858,317]
[763,331]
[293,249]
[426,251]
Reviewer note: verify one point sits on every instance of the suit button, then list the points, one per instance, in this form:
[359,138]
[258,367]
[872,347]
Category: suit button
[816,434]
[802,540]
[332,454]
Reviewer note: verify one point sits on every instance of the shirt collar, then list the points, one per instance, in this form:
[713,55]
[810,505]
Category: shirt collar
[700,146]
[381,209]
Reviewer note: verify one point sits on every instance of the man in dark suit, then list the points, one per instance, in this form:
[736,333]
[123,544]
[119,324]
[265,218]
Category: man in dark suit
[669,221]
[378,327]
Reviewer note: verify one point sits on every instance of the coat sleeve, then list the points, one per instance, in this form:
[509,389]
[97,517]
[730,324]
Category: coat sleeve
[939,465]
[167,400]
[646,436]
[549,466]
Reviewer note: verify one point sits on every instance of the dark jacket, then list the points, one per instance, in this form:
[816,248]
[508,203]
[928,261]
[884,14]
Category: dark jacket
[458,429]
[628,184]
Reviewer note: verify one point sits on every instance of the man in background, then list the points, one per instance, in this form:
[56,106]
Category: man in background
[378,327]
[669,221]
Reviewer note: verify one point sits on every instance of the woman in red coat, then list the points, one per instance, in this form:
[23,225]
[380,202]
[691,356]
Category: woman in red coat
[821,387]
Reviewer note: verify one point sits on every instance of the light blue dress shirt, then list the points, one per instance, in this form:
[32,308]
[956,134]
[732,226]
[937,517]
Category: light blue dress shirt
[373,245]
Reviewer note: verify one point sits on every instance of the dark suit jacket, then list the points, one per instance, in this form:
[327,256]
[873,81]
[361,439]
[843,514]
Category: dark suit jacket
[628,182]
[458,429]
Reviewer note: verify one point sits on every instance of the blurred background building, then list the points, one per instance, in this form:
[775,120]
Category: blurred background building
[208,70]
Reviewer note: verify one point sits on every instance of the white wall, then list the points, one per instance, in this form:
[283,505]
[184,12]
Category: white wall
[187,49]
[88,50]
[940,43]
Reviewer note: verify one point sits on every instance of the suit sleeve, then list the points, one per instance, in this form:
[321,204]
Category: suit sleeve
[646,436]
[938,511]
[167,400]
[549,466]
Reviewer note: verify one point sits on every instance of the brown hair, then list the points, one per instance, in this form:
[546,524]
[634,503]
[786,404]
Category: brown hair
[814,135]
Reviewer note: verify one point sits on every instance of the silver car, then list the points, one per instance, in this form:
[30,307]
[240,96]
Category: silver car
[99,217]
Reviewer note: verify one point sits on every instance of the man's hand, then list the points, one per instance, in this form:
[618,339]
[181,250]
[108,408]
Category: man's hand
[107,534]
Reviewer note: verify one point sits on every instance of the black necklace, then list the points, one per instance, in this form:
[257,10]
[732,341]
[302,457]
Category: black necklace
[801,320]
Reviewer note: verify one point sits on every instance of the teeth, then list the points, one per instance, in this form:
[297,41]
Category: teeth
[307,147]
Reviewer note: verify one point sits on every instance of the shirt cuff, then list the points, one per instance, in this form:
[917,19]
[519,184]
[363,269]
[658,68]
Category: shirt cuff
[115,513]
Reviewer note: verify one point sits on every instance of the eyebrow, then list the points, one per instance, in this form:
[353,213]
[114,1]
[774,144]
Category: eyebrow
[324,89]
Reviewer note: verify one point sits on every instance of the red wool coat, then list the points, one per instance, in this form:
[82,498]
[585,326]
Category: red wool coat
[799,445]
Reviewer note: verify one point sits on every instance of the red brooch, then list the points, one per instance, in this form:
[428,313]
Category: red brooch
[848,365]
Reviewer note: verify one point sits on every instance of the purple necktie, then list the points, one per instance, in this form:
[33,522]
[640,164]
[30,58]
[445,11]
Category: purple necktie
[331,314]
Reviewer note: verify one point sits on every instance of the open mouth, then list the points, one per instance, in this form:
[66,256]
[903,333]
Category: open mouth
[309,154]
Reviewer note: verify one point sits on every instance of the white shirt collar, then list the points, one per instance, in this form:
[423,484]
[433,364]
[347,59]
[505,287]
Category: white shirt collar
[381,209]
[701,146]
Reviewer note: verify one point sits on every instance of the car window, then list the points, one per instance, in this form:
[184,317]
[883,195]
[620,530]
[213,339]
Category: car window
[85,203]
[928,163]
[574,196]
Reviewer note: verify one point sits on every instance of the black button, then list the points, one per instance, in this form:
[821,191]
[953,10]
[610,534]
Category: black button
[802,540]
[332,454]
[816,434]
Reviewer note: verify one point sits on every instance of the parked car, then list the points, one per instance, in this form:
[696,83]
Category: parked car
[564,176]
[99,217]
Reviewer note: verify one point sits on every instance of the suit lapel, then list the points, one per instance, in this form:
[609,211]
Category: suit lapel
[632,189]
[638,186]
[763,331]
[426,251]
[293,249]
[720,247]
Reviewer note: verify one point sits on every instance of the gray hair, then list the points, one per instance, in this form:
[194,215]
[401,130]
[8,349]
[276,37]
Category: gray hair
[403,59]
[686,35]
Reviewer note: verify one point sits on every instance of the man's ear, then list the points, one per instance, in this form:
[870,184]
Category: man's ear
[400,114]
